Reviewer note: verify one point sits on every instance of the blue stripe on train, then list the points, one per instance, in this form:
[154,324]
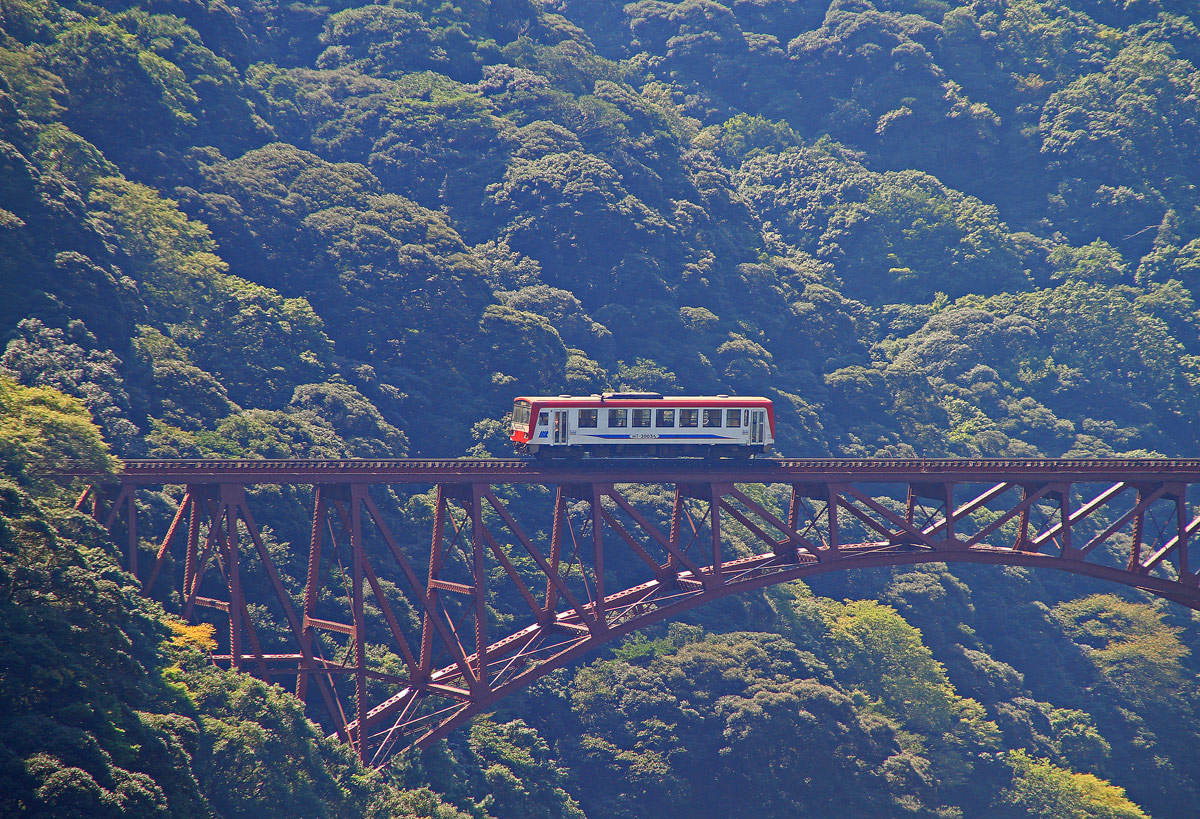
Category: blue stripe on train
[627,436]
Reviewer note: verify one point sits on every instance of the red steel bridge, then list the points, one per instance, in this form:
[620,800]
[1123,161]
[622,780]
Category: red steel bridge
[616,545]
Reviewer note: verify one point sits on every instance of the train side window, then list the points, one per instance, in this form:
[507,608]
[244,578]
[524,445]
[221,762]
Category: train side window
[587,418]
[666,418]
[543,419]
[712,418]
[618,417]
[641,417]
[733,418]
[689,418]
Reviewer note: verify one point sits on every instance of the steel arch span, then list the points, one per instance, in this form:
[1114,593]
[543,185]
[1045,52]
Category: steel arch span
[601,561]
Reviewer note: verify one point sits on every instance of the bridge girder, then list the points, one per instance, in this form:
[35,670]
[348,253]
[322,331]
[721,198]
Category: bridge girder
[1127,522]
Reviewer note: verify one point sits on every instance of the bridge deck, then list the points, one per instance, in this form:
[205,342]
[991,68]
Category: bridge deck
[657,470]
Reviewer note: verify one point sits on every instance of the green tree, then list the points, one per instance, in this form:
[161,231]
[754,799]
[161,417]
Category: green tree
[102,62]
[73,362]
[1139,654]
[1044,790]
[172,256]
[521,778]
[355,419]
[571,212]
[1117,139]
[381,40]
[45,434]
[683,720]
[883,656]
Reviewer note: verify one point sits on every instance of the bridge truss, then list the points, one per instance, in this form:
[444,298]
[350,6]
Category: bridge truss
[413,648]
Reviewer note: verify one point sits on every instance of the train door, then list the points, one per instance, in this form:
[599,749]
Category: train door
[560,426]
[758,424]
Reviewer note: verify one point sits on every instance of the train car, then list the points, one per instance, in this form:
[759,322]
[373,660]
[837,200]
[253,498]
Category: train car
[617,424]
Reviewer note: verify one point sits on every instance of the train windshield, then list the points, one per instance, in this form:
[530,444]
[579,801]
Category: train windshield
[521,414]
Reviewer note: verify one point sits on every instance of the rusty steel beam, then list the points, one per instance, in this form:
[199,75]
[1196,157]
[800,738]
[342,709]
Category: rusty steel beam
[1122,521]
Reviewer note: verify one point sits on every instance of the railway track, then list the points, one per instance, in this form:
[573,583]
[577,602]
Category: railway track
[654,470]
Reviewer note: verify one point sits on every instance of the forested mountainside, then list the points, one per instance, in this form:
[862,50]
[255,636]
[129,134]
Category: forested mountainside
[246,228]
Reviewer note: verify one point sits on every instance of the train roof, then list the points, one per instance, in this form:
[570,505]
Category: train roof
[646,398]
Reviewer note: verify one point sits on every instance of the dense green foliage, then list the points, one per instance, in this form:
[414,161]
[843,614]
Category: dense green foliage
[935,227]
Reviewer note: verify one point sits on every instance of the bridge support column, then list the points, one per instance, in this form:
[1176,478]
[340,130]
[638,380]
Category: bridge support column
[828,494]
[358,492]
[312,580]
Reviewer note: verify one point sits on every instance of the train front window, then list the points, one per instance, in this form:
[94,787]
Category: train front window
[712,418]
[520,414]
[641,417]
[587,418]
[733,418]
[618,418]
[665,418]
[689,418]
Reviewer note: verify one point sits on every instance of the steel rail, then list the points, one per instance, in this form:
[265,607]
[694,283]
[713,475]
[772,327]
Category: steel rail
[651,470]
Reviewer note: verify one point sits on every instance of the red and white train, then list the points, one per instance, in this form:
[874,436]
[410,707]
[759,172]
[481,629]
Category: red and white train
[642,424]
